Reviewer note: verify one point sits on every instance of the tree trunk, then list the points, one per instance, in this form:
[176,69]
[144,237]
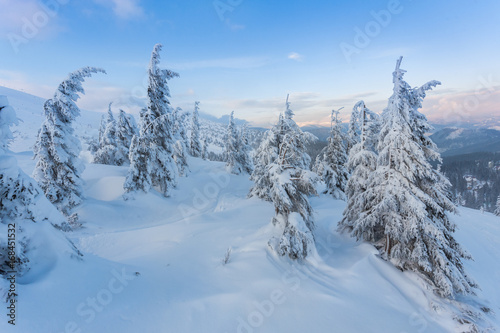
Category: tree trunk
[388,245]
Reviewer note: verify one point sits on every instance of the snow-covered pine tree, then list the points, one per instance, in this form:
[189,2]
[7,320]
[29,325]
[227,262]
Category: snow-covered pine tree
[195,147]
[180,148]
[236,150]
[204,151]
[410,201]
[497,208]
[459,200]
[245,150]
[95,144]
[125,131]
[331,162]
[102,128]
[181,126]
[7,119]
[282,176]
[151,154]
[231,149]
[361,164]
[25,209]
[354,131]
[108,152]
[58,167]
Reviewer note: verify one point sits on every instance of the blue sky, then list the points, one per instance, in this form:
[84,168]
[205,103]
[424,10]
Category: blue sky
[247,55]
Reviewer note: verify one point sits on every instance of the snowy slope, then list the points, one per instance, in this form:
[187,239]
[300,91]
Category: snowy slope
[155,265]
[29,110]
[177,245]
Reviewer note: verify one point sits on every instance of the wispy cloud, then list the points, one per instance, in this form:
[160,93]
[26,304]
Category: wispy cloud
[463,106]
[234,26]
[124,9]
[295,56]
[309,107]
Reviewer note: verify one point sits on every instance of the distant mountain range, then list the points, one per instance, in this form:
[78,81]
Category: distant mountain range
[322,132]
[450,140]
[463,139]
[458,141]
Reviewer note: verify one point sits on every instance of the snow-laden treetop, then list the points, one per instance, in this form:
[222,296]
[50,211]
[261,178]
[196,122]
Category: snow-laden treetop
[67,93]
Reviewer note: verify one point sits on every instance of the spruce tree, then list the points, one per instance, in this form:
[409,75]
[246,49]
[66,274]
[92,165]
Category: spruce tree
[180,148]
[361,164]
[195,147]
[139,173]
[236,149]
[126,129]
[58,167]
[108,152]
[204,151]
[331,162]
[102,128]
[410,200]
[231,149]
[151,154]
[245,150]
[282,176]
[497,208]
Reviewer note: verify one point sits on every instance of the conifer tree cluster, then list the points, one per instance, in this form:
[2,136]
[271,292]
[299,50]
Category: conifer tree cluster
[396,198]
[25,212]
[403,205]
[115,138]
